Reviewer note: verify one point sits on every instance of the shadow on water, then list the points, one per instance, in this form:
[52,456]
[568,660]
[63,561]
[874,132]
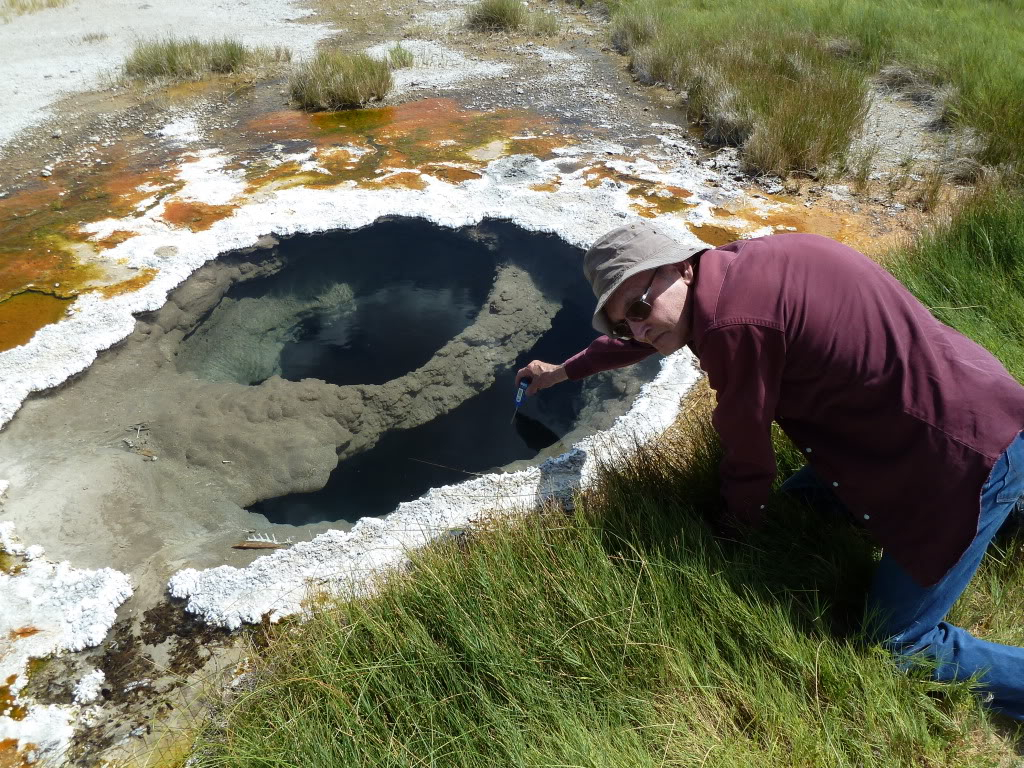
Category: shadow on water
[413,286]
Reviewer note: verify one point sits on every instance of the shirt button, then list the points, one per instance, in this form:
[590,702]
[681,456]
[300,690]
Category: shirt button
[835,484]
[867,517]
[807,450]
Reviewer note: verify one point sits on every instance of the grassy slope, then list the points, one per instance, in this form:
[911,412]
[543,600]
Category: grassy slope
[785,78]
[621,634]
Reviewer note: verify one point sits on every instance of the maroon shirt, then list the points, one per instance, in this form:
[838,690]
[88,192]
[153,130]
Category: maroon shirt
[900,415]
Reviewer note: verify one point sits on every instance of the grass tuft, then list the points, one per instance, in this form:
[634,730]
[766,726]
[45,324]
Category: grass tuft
[191,58]
[543,24]
[497,15]
[399,57]
[336,80]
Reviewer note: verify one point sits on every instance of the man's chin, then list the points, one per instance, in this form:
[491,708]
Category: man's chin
[666,343]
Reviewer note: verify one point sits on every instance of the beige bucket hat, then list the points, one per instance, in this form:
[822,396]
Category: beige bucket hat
[624,252]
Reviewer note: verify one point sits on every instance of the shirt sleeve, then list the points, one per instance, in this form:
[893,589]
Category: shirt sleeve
[744,363]
[604,354]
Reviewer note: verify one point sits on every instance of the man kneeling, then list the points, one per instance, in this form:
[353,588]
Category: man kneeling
[914,427]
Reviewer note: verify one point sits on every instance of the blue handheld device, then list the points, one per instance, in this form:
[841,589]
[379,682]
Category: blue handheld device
[520,396]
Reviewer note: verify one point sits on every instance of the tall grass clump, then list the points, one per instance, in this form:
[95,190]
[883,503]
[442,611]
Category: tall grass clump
[787,103]
[497,15]
[785,80]
[400,57]
[190,58]
[620,634]
[970,271]
[337,80]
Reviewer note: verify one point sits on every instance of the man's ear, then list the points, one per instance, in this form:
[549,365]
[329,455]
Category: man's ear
[687,272]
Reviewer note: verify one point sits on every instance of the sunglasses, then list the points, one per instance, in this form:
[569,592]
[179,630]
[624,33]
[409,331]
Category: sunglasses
[638,309]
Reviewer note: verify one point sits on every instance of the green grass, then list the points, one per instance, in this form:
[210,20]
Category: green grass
[785,79]
[190,58]
[399,57]
[622,634]
[970,271]
[337,80]
[497,15]
[543,24]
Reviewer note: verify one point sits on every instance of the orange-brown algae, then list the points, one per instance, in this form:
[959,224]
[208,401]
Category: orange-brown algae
[26,631]
[547,186]
[451,174]
[432,130]
[540,146]
[25,313]
[655,202]
[195,215]
[132,284]
[11,756]
[714,235]
[41,236]
[857,231]
[402,180]
[435,137]
[115,238]
[8,706]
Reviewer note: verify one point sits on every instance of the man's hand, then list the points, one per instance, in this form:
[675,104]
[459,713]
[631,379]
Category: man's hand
[542,375]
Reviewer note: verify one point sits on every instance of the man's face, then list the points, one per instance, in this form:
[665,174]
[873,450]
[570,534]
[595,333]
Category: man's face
[667,327]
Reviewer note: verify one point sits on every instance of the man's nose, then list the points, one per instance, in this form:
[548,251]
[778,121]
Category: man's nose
[639,329]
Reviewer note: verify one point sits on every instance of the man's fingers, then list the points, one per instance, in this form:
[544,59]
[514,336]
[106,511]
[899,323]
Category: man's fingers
[542,375]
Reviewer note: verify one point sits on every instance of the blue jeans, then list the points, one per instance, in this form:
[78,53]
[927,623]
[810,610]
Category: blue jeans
[909,618]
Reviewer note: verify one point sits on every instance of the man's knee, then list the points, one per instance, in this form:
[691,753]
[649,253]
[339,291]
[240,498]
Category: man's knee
[919,646]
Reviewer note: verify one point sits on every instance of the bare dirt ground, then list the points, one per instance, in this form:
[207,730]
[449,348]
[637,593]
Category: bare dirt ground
[91,498]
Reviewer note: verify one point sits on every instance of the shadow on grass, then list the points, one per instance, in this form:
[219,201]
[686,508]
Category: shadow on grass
[820,567]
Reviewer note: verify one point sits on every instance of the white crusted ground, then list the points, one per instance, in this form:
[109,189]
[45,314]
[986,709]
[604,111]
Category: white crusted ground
[78,47]
[49,608]
[435,66]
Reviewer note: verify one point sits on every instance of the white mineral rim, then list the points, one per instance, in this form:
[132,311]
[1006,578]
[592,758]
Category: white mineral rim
[49,608]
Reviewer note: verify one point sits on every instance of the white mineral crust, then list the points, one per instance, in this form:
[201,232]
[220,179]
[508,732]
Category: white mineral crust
[88,688]
[48,608]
